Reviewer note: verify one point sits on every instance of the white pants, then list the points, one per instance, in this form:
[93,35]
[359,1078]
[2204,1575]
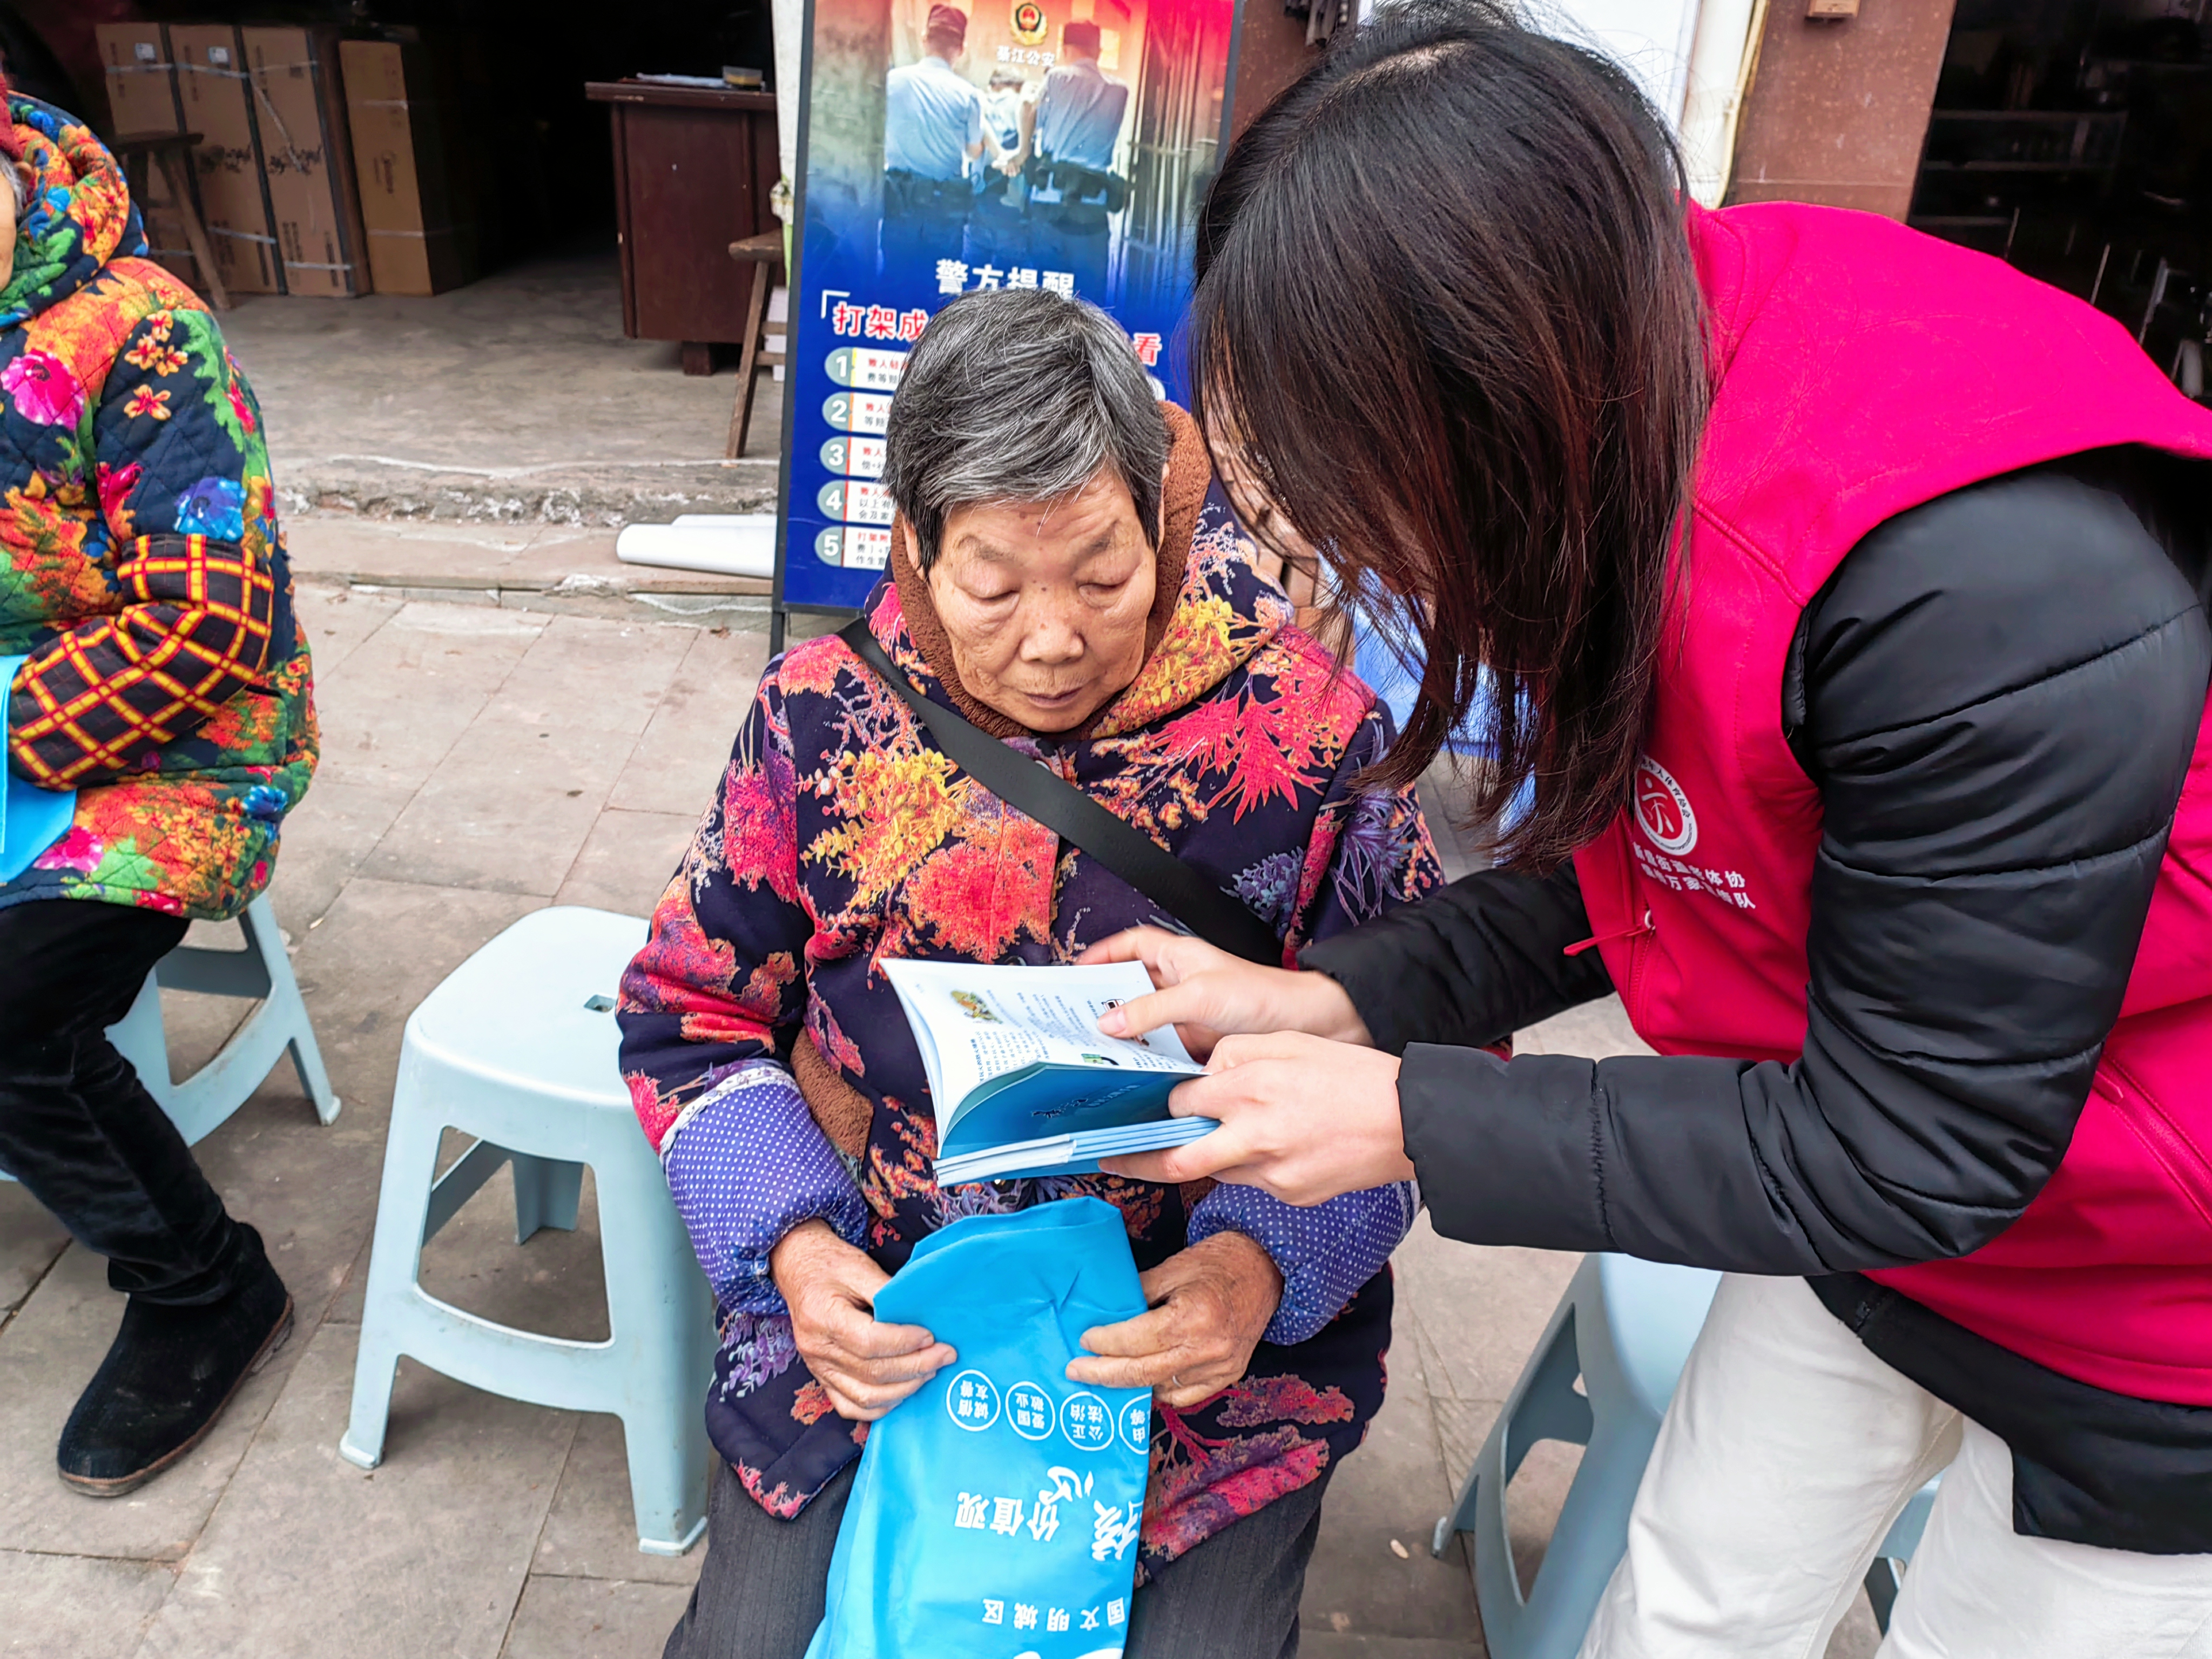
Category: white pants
[1787,1453]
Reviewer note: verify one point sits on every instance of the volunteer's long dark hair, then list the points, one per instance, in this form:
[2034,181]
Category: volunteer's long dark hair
[1446,310]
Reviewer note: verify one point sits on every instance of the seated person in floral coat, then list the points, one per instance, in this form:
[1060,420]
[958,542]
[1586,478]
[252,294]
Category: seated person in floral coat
[161,723]
[1064,575]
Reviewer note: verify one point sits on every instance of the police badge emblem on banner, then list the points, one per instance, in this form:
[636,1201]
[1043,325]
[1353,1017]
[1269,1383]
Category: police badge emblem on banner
[995,1511]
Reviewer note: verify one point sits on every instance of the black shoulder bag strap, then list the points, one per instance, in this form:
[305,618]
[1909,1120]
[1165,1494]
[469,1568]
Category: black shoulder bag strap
[1214,915]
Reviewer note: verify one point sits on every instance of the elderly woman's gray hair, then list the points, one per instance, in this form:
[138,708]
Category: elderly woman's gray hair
[1020,395]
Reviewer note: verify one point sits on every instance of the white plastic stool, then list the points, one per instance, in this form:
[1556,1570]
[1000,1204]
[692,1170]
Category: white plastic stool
[1625,1328]
[519,1047]
[201,1103]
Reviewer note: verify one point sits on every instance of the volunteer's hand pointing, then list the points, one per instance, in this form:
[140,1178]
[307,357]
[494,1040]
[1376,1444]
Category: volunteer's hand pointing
[866,1368]
[1206,993]
[1301,1117]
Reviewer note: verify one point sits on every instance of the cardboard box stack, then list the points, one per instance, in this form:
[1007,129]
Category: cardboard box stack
[142,96]
[324,167]
[416,199]
[218,105]
[306,159]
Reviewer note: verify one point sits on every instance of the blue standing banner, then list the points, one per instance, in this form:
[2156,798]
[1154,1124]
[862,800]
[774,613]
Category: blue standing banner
[947,148]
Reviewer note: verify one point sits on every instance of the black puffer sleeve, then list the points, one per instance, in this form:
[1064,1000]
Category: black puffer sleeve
[1997,696]
[1471,963]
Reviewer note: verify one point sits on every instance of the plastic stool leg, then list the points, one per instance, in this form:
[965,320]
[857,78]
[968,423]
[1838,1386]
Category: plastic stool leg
[262,933]
[668,1479]
[262,974]
[1544,1406]
[307,1063]
[1589,1539]
[410,1159]
[1629,1327]
[1884,1580]
[664,1315]
[1550,1408]
[547,1193]
[375,1368]
[140,1037]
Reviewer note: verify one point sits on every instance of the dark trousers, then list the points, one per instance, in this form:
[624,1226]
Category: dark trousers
[924,221]
[1080,249]
[763,1586]
[998,235]
[77,1127]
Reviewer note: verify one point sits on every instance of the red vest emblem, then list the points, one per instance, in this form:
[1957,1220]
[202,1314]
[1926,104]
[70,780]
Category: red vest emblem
[1662,810]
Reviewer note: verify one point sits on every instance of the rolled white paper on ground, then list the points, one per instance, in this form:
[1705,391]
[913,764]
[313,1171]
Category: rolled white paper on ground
[725,544]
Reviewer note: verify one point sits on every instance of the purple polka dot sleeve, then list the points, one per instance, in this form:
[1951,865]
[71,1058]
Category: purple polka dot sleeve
[1325,1254]
[746,1163]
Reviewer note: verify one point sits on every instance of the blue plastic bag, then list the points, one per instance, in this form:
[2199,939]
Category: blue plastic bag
[31,819]
[995,1511]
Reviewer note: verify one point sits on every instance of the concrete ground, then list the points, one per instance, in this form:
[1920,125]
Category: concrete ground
[513,400]
[481,761]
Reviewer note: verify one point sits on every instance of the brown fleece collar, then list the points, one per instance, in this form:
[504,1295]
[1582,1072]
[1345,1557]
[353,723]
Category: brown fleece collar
[842,1111]
[1190,472]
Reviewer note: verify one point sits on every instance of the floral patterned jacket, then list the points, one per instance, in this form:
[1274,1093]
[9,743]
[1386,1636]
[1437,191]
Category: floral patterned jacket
[141,570]
[841,837]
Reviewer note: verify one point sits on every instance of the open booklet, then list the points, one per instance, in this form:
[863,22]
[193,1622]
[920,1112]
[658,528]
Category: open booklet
[1024,1082]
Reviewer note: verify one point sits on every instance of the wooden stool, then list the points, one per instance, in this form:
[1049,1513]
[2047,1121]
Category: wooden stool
[172,152]
[763,252]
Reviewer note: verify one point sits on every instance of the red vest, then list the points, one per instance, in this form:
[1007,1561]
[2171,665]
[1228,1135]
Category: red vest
[1863,369]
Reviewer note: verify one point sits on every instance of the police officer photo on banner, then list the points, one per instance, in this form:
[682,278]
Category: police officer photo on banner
[936,152]
[944,148]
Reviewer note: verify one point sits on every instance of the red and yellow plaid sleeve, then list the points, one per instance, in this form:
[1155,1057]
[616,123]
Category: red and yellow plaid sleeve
[99,700]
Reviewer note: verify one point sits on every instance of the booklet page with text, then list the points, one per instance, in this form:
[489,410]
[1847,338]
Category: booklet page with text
[1022,1079]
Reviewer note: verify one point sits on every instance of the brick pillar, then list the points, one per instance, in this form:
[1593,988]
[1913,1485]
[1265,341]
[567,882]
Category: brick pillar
[1838,109]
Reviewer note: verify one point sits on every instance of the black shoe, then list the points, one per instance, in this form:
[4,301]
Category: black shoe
[167,1378]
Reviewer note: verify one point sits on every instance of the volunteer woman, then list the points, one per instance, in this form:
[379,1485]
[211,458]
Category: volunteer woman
[1843,590]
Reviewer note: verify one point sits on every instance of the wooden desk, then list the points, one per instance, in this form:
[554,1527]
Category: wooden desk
[693,171]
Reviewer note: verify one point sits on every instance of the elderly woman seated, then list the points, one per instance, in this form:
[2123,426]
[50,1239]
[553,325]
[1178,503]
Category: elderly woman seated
[1064,575]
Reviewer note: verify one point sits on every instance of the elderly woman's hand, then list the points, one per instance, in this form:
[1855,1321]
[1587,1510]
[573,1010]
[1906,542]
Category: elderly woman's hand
[866,1367]
[1211,1303]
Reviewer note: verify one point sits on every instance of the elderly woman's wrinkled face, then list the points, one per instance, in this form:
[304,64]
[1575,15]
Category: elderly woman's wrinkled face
[1045,604]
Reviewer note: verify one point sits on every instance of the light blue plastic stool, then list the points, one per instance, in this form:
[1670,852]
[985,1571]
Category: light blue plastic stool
[519,1047]
[201,1103]
[1625,1328]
